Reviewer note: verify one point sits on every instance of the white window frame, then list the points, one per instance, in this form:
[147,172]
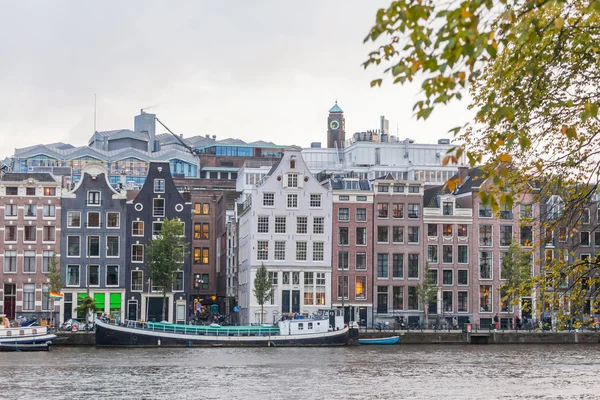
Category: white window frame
[67,249]
[141,271]
[88,275]
[87,198]
[87,247]
[118,246]
[315,201]
[132,253]
[106,275]
[87,223]
[70,214]
[159,185]
[78,276]
[118,220]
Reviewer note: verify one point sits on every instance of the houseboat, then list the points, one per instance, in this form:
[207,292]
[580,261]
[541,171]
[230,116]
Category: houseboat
[326,328]
[23,335]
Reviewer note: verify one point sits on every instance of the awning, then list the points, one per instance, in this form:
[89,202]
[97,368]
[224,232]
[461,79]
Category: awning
[99,299]
[115,301]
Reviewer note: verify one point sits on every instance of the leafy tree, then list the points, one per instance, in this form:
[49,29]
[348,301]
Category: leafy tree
[86,305]
[263,288]
[516,273]
[427,291]
[166,255]
[55,281]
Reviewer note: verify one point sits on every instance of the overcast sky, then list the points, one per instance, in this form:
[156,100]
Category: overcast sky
[250,70]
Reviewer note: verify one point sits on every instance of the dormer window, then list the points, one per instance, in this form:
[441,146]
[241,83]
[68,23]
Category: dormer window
[448,208]
[293,180]
[30,191]
[12,191]
[293,162]
[159,186]
[93,198]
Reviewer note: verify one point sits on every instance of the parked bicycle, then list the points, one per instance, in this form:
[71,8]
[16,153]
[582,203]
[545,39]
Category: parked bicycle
[382,326]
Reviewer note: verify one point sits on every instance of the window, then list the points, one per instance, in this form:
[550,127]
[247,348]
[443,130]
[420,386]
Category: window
[462,277]
[463,254]
[137,253]
[273,277]
[205,230]
[361,236]
[382,299]
[447,301]
[46,297]
[398,210]
[361,198]
[432,230]
[93,198]
[30,210]
[29,262]
[112,246]
[93,275]
[30,191]
[525,211]
[280,223]
[318,225]
[398,234]
[485,265]
[113,219]
[344,214]
[413,211]
[342,289]
[344,198]
[201,208]
[361,214]
[485,211]
[447,230]
[292,201]
[301,225]
[300,251]
[433,276]
[597,239]
[10,233]
[413,234]
[137,228]
[49,191]
[93,220]
[49,211]
[382,234]
[382,266]
[462,230]
[343,236]
[447,254]
[361,261]
[562,234]
[262,250]
[292,180]
[29,296]
[179,281]
[506,212]
[342,260]
[360,288]
[137,281]
[73,243]
[382,210]
[398,265]
[73,219]
[112,275]
[462,302]
[158,207]
[159,186]
[309,292]
[432,253]
[485,235]
[447,278]
[398,189]
[263,224]
[12,191]
[318,251]
[413,298]
[485,298]
[279,250]
[198,230]
[506,234]
[10,210]
[585,239]
[47,256]
[10,261]
[413,266]
[72,275]
[48,233]
[269,199]
[315,200]
[383,188]
[201,255]
[413,189]
[526,236]
[447,208]
[93,246]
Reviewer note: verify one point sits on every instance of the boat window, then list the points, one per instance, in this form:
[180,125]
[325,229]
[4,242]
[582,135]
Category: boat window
[300,326]
[310,325]
[8,333]
[34,331]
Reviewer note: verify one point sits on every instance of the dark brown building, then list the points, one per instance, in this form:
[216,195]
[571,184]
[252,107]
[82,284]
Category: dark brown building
[336,127]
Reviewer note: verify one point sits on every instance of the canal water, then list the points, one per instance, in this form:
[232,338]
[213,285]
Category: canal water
[392,372]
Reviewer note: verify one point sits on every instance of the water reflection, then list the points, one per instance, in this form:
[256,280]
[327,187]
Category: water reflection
[398,372]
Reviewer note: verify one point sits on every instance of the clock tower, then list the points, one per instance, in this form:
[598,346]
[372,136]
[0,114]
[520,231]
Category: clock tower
[336,127]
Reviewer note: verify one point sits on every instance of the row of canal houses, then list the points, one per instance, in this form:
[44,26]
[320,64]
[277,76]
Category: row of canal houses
[342,242]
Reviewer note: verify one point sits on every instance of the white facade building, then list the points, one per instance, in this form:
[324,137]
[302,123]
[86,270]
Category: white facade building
[285,224]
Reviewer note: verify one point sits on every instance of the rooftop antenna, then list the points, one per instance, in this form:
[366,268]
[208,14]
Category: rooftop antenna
[94,112]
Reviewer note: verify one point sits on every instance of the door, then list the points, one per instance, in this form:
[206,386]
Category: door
[68,306]
[285,301]
[382,303]
[155,305]
[362,316]
[295,301]
[10,300]
[132,310]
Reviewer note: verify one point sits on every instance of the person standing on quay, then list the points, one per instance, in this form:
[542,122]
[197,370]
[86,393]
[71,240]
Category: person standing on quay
[496,320]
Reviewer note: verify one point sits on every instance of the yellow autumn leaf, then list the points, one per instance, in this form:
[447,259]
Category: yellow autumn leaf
[504,158]
[559,22]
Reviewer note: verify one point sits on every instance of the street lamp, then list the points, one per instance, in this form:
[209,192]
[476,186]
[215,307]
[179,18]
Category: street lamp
[198,282]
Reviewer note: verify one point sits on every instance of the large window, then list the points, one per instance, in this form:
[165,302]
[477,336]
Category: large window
[10,210]
[413,298]
[73,246]
[301,225]
[361,261]
[361,214]
[447,254]
[30,233]
[73,219]
[93,275]
[382,234]
[485,265]
[413,234]
[447,208]
[361,236]
[10,261]
[485,211]
[292,180]
[398,297]
[462,302]
[382,299]
[93,220]
[398,265]
[462,230]
[398,234]
[526,236]
[432,230]
[137,228]
[309,292]
[447,277]
[279,254]
[113,219]
[485,298]
[320,288]
[382,266]
[343,260]
[382,210]
[93,246]
[342,287]
[159,186]
[262,250]
[46,306]
[318,251]
[158,207]
[268,199]
[280,223]
[413,211]
[343,236]
[432,253]
[292,201]
[112,246]
[300,251]
[10,233]
[49,211]
[29,261]
[315,200]
[506,234]
[318,225]
[48,233]
[398,210]
[137,253]
[463,254]
[344,214]
[72,275]
[447,301]
[263,224]
[447,230]
[360,288]
[47,257]
[485,235]
[112,275]
[30,210]
[413,266]
[28,296]
[462,277]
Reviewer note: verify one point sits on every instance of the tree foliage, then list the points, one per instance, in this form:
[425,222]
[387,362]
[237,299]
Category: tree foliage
[427,291]
[54,279]
[165,256]
[85,305]
[516,274]
[263,288]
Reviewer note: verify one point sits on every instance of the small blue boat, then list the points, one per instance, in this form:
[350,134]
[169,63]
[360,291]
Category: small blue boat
[386,340]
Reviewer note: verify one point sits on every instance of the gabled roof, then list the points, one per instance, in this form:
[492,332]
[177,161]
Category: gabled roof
[430,196]
[336,109]
[22,176]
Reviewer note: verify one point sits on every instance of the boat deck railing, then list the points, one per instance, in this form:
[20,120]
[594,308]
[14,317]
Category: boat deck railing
[204,330]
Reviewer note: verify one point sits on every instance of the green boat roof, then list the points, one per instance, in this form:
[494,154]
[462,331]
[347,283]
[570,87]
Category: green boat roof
[214,329]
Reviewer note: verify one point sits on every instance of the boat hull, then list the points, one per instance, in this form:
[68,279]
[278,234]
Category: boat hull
[35,339]
[108,335]
[24,347]
[387,340]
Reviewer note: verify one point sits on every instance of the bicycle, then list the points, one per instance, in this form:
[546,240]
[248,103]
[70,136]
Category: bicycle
[382,326]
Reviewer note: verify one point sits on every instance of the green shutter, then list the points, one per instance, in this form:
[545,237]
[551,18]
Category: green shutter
[99,299]
[115,301]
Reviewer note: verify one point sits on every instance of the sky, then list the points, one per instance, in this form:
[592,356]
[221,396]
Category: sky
[252,70]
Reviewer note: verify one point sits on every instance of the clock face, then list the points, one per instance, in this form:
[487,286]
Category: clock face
[334,125]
